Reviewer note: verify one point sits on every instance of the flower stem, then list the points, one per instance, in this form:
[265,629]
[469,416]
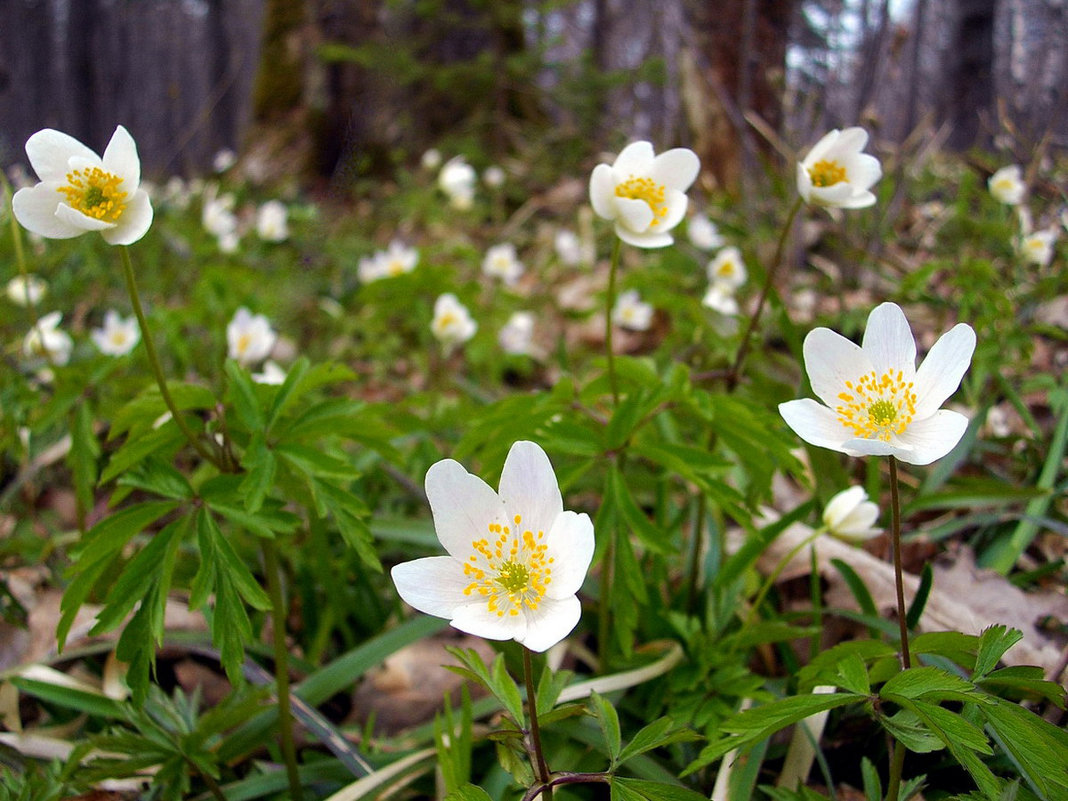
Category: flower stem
[897,761]
[154,363]
[610,303]
[604,611]
[769,582]
[281,665]
[541,770]
[735,373]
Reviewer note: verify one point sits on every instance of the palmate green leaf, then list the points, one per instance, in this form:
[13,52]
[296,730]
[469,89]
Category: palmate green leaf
[468,792]
[994,641]
[315,462]
[625,789]
[964,741]
[260,467]
[1038,748]
[824,667]
[630,515]
[953,645]
[222,494]
[929,684]
[349,514]
[661,732]
[143,411]
[165,441]
[907,728]
[157,476]
[1026,681]
[853,674]
[608,720]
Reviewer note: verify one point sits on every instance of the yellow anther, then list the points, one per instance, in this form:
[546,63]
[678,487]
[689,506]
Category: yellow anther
[826,173]
[95,193]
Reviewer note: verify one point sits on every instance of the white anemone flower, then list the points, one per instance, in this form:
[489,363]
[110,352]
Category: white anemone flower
[515,559]
[631,312]
[271,374]
[568,247]
[457,180]
[720,298]
[1037,248]
[223,160]
[837,174]
[452,323]
[1007,186]
[644,194]
[493,177]
[850,516]
[517,335]
[47,340]
[431,159]
[728,268]
[369,268]
[81,191]
[703,232]
[877,402]
[249,337]
[397,259]
[272,221]
[502,262]
[118,336]
[217,214]
[26,290]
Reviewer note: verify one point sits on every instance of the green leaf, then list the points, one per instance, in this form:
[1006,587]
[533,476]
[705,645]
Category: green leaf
[222,494]
[506,690]
[1039,748]
[163,440]
[853,674]
[84,451]
[906,727]
[468,792]
[929,684]
[315,462]
[919,599]
[873,787]
[824,667]
[143,411]
[71,698]
[643,790]
[659,733]
[259,463]
[994,641]
[242,394]
[957,647]
[962,739]
[631,516]
[608,720]
[160,477]
[1025,680]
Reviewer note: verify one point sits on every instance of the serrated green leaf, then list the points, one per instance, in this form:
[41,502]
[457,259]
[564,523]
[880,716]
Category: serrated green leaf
[962,739]
[907,728]
[1027,680]
[505,689]
[315,462]
[627,789]
[143,411]
[259,464]
[234,567]
[241,392]
[158,476]
[468,792]
[608,720]
[163,440]
[929,684]
[659,733]
[1039,749]
[853,674]
[957,647]
[994,641]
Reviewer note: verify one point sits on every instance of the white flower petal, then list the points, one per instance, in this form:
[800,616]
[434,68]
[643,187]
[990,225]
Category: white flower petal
[553,620]
[120,158]
[529,487]
[635,159]
[134,223]
[76,219]
[603,192]
[873,447]
[821,148]
[943,368]
[463,505]
[851,140]
[830,361]
[50,152]
[676,209]
[888,341]
[858,200]
[833,195]
[434,585]
[815,423]
[35,209]
[644,240]
[635,215]
[932,438]
[477,619]
[676,169]
[864,171]
[569,543]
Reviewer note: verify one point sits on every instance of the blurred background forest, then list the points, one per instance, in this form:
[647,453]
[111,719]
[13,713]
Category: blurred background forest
[337,89]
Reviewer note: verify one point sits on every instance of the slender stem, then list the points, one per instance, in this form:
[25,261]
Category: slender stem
[895,510]
[154,363]
[281,665]
[610,303]
[541,770]
[735,374]
[769,582]
[695,552]
[897,764]
[566,777]
[213,785]
[604,614]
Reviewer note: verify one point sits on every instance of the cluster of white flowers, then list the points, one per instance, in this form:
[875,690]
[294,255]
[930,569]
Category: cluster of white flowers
[452,324]
[457,180]
[28,290]
[395,260]
[726,273]
[249,337]
[48,341]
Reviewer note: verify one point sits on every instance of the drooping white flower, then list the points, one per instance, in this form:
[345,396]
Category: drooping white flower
[516,558]
[271,374]
[452,323]
[850,516]
[272,221]
[728,268]
[1037,248]
[631,312]
[493,177]
[568,247]
[26,290]
[644,194]
[224,160]
[502,262]
[118,336]
[457,180]
[837,174]
[720,298]
[431,159]
[1007,186]
[517,335]
[877,402]
[249,337]
[703,232]
[47,340]
[80,191]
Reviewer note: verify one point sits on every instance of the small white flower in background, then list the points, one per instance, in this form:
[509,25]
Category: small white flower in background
[837,174]
[728,268]
[493,177]
[502,262]
[1037,248]
[1006,185]
[272,221]
[47,340]
[217,214]
[272,374]
[176,193]
[369,268]
[452,323]
[720,298]
[457,180]
[81,191]
[517,335]
[644,194]
[631,313]
[431,159]
[224,160]
[118,336]
[229,242]
[568,247]
[26,291]
[877,402]
[850,516]
[703,232]
[249,337]
[516,558]
[397,259]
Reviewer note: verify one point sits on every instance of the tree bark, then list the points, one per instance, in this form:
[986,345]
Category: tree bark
[970,98]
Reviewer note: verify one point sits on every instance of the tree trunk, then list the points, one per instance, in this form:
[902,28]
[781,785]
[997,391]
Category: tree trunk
[970,98]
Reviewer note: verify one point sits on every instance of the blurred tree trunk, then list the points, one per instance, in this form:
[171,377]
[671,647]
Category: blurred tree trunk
[970,96]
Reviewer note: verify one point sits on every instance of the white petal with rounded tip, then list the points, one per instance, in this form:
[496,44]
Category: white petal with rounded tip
[50,152]
[553,620]
[643,240]
[943,368]
[864,171]
[120,158]
[851,140]
[602,191]
[635,159]
[839,507]
[861,200]
[433,585]
[814,423]
[75,218]
[676,209]
[833,195]
[570,545]
[888,341]
[676,168]
[634,214]
[35,209]
[463,506]
[821,148]
[830,361]
[135,221]
[804,183]
[477,619]
[934,437]
[529,487]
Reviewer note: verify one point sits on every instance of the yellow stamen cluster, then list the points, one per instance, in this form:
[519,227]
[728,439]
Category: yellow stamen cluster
[511,568]
[243,342]
[648,190]
[875,407]
[826,173]
[95,193]
[395,268]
